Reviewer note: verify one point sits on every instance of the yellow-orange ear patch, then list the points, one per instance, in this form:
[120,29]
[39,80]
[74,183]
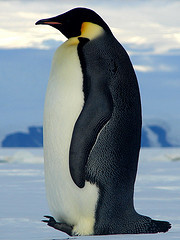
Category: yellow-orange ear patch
[91,30]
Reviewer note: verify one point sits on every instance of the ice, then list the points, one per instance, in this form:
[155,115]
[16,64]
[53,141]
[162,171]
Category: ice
[21,155]
[23,200]
[153,138]
[159,154]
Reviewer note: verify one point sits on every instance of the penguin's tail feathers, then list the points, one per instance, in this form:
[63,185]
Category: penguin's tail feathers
[156,226]
[147,225]
[144,224]
[138,224]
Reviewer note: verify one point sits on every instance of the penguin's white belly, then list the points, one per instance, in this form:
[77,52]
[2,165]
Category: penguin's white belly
[63,104]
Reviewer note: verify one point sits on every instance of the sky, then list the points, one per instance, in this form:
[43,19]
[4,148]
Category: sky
[148,29]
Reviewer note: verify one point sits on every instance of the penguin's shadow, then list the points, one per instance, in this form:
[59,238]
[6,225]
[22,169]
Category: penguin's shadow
[68,238]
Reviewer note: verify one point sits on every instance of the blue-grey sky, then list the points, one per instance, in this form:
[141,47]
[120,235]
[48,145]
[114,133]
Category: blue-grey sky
[148,29]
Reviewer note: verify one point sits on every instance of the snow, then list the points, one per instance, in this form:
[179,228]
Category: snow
[23,200]
[153,138]
[170,126]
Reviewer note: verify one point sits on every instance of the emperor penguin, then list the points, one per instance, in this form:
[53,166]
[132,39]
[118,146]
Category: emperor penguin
[92,132]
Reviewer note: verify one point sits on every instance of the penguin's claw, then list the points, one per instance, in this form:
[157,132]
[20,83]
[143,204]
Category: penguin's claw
[51,222]
[59,226]
[50,217]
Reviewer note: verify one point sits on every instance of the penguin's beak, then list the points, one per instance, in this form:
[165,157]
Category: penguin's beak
[57,22]
[48,21]
[53,22]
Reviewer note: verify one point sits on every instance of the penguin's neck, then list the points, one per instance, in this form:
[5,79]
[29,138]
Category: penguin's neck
[90,30]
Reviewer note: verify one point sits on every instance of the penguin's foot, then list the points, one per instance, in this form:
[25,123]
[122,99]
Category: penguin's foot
[59,226]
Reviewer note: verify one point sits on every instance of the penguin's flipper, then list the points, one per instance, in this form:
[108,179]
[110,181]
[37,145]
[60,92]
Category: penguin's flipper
[95,114]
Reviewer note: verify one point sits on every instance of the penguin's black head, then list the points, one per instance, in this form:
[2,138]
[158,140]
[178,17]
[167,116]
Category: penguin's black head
[70,23]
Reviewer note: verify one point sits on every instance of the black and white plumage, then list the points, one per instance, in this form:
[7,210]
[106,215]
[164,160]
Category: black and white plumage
[92,131]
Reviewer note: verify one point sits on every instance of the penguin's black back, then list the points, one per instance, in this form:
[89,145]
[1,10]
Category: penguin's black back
[120,138]
[112,163]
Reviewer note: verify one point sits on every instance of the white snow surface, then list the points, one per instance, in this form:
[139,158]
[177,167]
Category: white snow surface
[23,199]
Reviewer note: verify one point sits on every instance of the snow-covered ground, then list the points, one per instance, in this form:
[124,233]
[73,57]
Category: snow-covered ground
[23,201]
